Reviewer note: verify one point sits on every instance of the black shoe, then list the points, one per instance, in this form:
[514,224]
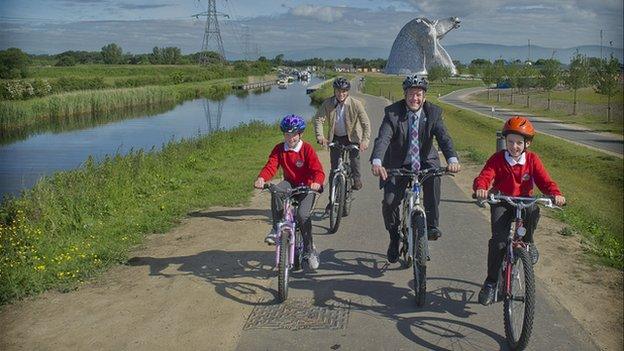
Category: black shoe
[357,184]
[393,251]
[533,253]
[486,295]
[433,233]
[328,208]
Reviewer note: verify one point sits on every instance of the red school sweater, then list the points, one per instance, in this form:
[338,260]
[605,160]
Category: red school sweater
[516,180]
[300,168]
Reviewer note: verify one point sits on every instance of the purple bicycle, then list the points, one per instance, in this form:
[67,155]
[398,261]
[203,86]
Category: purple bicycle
[289,243]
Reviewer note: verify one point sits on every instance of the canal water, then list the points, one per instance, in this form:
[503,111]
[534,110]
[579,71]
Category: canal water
[24,162]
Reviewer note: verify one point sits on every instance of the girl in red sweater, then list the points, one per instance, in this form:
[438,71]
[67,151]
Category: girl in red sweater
[301,166]
[512,172]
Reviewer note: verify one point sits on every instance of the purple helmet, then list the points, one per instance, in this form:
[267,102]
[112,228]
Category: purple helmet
[292,124]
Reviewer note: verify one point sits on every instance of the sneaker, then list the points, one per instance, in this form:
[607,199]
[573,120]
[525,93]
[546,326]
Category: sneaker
[313,260]
[486,295]
[271,237]
[433,233]
[357,184]
[393,251]
[533,253]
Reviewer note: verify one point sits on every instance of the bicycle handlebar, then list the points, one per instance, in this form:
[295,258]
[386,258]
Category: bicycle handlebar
[422,174]
[344,147]
[519,201]
[304,189]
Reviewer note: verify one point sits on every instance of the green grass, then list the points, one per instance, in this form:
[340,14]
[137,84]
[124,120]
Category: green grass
[74,224]
[591,107]
[390,86]
[23,117]
[109,71]
[591,181]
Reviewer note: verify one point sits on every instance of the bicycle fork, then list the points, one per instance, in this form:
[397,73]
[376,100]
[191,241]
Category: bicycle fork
[285,228]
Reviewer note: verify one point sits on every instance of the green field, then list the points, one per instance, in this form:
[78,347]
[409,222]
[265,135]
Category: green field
[592,181]
[591,107]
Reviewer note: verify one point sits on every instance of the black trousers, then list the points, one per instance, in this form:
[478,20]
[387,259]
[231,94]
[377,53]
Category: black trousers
[334,155]
[502,215]
[394,192]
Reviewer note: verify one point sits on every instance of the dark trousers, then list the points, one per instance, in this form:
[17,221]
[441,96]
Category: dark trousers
[502,215]
[394,192]
[354,156]
[302,216]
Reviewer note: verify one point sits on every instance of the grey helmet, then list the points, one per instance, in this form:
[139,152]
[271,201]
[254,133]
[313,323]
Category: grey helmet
[415,81]
[342,83]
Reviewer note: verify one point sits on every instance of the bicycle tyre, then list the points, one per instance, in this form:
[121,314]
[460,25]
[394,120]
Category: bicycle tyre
[283,274]
[335,213]
[347,198]
[420,259]
[298,251]
[518,339]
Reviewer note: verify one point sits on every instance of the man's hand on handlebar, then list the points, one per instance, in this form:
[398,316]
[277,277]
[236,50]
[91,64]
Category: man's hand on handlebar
[454,167]
[379,171]
[323,141]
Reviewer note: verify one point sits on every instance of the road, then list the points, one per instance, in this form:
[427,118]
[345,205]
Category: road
[370,304]
[606,142]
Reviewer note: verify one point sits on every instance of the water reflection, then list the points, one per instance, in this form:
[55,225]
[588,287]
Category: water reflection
[25,157]
[213,119]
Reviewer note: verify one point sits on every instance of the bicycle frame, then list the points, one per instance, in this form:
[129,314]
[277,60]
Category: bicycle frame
[343,169]
[287,224]
[516,233]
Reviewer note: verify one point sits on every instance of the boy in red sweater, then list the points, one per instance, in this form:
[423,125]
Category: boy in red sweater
[512,172]
[301,166]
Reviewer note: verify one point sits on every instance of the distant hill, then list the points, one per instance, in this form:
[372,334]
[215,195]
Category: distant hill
[462,52]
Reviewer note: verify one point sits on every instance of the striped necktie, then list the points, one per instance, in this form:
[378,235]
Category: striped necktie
[414,150]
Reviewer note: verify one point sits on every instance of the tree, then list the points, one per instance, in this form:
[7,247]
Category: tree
[65,61]
[112,54]
[550,76]
[577,76]
[606,76]
[278,60]
[438,73]
[13,63]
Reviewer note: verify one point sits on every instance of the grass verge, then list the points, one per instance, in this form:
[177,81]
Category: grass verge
[592,181]
[19,117]
[72,225]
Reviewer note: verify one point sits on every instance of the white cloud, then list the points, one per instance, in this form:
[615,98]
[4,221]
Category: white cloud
[322,13]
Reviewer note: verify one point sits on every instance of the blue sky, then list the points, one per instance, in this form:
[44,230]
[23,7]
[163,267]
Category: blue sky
[53,26]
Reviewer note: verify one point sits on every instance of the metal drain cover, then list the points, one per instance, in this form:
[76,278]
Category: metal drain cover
[294,314]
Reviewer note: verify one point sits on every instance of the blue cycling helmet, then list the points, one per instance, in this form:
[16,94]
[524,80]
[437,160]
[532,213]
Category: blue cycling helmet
[415,82]
[342,83]
[292,124]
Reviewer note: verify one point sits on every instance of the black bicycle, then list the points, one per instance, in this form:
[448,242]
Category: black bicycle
[341,192]
[413,229]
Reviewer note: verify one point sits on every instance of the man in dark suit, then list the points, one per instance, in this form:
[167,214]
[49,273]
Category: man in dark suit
[405,140]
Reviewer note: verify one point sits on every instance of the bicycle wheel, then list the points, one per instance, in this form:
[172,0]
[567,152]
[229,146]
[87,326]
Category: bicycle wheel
[283,274]
[347,197]
[420,259]
[298,251]
[337,208]
[519,307]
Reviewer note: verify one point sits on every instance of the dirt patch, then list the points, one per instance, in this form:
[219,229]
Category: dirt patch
[592,293]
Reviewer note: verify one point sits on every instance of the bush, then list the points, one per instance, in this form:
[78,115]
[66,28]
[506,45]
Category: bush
[73,83]
[42,87]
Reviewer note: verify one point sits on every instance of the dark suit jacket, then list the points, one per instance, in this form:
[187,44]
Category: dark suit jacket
[392,142]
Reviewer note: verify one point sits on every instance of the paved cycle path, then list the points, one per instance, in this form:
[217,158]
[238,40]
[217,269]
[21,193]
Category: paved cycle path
[610,143]
[356,301]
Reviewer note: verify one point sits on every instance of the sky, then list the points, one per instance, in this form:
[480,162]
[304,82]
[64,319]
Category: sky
[273,26]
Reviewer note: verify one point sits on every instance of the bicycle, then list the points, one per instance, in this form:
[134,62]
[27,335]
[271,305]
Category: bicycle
[516,282]
[289,242]
[413,228]
[341,192]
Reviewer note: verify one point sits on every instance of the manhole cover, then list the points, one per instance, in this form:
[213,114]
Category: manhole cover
[295,314]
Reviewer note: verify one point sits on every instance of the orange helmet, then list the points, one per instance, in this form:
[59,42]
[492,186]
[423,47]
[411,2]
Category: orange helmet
[519,125]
